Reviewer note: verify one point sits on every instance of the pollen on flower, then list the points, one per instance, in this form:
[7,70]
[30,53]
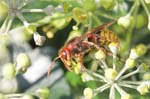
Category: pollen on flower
[110,73]
[100,55]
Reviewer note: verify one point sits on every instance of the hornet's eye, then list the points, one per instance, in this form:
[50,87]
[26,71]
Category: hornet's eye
[64,54]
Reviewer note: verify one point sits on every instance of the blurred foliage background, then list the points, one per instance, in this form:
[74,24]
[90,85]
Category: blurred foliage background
[58,21]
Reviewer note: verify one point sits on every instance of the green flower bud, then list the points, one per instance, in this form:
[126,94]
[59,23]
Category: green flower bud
[4,39]
[27,97]
[110,73]
[43,93]
[23,62]
[31,29]
[147,1]
[100,55]
[141,49]
[89,5]
[125,21]
[126,96]
[142,21]
[130,63]
[79,15]
[107,4]
[145,66]
[88,93]
[2,96]
[143,88]
[9,71]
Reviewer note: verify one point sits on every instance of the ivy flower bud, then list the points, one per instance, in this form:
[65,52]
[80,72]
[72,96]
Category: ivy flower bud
[133,54]
[126,96]
[38,39]
[110,73]
[147,1]
[79,15]
[23,62]
[107,4]
[100,55]
[146,76]
[114,48]
[143,88]
[86,77]
[4,39]
[27,97]
[75,27]
[61,22]
[89,5]
[145,66]
[31,29]
[88,93]
[2,96]
[9,71]
[130,63]
[124,21]
[141,49]
[43,93]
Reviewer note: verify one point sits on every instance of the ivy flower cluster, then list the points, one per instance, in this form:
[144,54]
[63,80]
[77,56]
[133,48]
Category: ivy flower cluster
[114,78]
[16,9]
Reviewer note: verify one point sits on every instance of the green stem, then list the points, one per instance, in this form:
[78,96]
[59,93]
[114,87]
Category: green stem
[133,11]
[32,10]
[90,20]
[145,7]
[121,72]
[14,95]
[112,92]
[102,88]
[128,85]
[105,15]
[131,73]
[120,90]
[4,25]
[9,24]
